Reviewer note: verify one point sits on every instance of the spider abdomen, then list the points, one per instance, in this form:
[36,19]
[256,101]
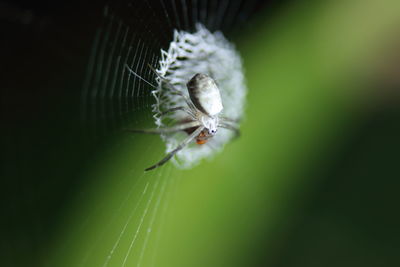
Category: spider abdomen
[205,94]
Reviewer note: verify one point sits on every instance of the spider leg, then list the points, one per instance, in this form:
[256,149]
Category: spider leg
[233,128]
[184,143]
[140,77]
[170,86]
[173,129]
[188,111]
[225,119]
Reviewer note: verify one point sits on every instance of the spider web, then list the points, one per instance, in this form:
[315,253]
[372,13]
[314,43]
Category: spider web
[132,33]
[111,96]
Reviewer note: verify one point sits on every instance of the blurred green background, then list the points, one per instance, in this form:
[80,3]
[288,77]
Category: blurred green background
[312,181]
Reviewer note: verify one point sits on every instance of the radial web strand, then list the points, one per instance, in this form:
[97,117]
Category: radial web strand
[118,93]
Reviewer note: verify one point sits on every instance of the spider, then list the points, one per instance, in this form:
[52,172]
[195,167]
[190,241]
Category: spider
[203,109]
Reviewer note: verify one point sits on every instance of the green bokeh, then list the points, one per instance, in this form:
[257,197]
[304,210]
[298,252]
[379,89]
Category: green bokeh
[305,70]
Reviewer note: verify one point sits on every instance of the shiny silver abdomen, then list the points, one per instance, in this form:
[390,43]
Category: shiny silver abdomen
[205,94]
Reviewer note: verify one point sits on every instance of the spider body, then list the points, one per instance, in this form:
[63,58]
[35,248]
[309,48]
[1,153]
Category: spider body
[205,95]
[204,106]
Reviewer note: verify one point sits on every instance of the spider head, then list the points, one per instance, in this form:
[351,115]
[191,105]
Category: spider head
[212,132]
[210,124]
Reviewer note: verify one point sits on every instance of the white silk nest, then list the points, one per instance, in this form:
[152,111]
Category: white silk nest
[188,54]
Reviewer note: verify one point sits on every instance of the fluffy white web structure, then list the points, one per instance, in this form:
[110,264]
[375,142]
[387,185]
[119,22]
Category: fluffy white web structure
[199,52]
